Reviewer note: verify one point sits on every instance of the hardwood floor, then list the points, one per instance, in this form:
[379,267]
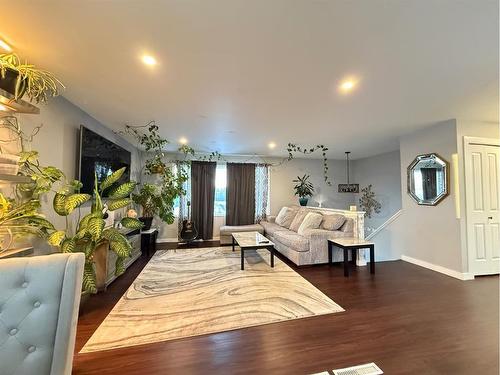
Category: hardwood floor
[405,318]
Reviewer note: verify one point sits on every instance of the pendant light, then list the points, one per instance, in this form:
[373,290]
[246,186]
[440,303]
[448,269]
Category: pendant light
[348,188]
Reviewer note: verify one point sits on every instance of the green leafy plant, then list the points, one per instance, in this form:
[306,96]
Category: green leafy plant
[303,187]
[293,148]
[90,230]
[38,84]
[368,203]
[159,199]
[18,219]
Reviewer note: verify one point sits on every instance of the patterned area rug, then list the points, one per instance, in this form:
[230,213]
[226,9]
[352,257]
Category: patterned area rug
[199,291]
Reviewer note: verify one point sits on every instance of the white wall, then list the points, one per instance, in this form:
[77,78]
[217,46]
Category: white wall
[57,142]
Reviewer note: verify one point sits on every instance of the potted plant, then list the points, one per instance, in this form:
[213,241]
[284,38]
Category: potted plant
[303,188]
[149,199]
[90,233]
[19,79]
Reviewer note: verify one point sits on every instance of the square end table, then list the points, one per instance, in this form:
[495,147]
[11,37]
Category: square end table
[353,244]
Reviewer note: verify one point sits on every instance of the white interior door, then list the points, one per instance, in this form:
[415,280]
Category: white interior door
[482,200]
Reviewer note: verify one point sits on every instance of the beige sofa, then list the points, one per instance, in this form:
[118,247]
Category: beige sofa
[312,247]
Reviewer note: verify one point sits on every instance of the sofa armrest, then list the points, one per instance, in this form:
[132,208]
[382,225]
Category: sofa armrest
[271,219]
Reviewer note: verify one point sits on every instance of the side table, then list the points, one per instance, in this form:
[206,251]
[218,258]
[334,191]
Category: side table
[353,244]
[148,241]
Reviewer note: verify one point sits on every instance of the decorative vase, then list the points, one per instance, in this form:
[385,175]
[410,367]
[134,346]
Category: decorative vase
[303,201]
[147,221]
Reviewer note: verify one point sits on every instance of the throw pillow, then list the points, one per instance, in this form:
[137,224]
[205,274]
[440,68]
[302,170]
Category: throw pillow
[311,221]
[285,217]
[298,219]
[333,222]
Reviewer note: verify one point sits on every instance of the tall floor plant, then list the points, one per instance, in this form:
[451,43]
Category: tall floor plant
[90,232]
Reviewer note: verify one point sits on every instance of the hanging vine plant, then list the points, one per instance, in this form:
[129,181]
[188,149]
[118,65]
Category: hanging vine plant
[293,148]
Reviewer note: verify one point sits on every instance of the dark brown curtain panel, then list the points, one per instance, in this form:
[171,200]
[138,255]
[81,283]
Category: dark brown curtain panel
[202,197]
[240,194]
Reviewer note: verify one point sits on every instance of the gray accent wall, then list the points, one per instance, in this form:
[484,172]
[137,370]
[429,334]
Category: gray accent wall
[57,143]
[383,172]
[282,193]
[429,233]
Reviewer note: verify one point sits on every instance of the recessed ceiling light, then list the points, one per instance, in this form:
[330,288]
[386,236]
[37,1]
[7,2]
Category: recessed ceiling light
[5,46]
[149,60]
[183,141]
[271,145]
[347,85]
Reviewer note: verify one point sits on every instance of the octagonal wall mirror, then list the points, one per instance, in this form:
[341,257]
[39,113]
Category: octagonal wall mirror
[428,179]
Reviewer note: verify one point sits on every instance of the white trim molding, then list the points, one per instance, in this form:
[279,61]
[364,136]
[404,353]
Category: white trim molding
[385,224]
[434,267]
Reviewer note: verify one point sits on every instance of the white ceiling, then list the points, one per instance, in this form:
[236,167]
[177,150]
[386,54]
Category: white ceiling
[234,75]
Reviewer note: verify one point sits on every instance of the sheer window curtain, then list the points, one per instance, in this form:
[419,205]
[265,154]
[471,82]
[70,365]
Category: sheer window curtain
[183,199]
[261,191]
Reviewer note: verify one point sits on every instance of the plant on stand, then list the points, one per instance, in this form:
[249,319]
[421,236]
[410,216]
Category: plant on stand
[303,188]
[19,79]
[90,232]
[158,198]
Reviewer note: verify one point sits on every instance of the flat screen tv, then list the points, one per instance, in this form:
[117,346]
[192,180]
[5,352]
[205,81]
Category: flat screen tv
[102,156]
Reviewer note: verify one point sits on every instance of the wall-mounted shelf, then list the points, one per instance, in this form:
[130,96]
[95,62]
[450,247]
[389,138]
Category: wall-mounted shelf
[15,179]
[18,106]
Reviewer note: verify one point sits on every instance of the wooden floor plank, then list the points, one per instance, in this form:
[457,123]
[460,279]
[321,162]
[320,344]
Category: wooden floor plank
[407,319]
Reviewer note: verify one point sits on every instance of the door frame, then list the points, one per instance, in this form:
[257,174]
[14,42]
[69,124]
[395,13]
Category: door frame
[468,141]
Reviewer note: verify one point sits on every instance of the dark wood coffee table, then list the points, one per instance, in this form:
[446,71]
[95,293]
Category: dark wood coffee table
[252,241]
[353,244]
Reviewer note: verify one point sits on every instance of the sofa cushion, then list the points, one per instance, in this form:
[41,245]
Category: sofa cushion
[271,228]
[292,240]
[311,221]
[285,217]
[298,219]
[333,222]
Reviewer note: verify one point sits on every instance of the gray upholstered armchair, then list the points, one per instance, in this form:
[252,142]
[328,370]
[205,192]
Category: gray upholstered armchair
[39,300]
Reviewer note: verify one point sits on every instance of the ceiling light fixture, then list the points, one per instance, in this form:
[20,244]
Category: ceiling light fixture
[149,60]
[5,46]
[271,145]
[183,141]
[347,85]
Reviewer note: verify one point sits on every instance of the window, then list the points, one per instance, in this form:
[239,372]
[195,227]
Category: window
[220,190]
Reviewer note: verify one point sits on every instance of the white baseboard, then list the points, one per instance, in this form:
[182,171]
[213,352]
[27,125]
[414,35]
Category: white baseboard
[440,269]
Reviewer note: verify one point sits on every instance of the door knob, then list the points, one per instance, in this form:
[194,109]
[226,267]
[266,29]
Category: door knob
[490,217]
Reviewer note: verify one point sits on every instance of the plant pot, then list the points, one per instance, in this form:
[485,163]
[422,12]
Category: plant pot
[303,201]
[9,82]
[147,221]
